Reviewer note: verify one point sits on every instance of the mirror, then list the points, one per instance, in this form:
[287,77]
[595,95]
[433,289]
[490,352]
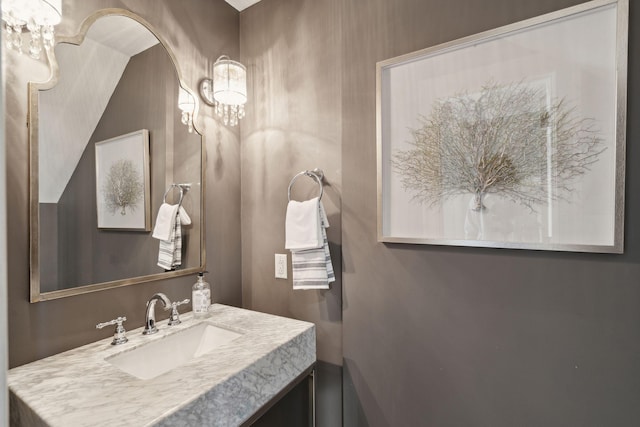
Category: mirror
[107,143]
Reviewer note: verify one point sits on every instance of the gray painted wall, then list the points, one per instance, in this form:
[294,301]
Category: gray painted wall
[195,34]
[444,336]
[293,123]
[292,52]
[49,271]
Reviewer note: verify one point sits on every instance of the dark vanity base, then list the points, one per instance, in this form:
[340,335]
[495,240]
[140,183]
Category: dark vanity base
[293,396]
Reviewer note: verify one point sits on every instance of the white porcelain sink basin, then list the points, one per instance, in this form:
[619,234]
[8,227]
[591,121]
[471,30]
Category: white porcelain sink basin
[158,357]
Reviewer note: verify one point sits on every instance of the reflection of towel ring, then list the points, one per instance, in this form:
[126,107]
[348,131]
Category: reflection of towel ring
[316,174]
[172,186]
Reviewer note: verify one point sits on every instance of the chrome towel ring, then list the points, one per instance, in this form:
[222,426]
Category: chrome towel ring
[181,187]
[316,174]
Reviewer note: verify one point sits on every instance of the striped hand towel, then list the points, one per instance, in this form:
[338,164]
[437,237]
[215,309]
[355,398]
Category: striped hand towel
[170,251]
[312,268]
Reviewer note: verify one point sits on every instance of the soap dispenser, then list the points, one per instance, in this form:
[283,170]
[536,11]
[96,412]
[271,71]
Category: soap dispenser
[201,297]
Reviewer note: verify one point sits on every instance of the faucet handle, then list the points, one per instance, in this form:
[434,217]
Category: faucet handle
[174,319]
[120,334]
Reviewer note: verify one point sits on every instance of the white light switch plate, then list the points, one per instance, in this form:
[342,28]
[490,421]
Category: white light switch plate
[281,266]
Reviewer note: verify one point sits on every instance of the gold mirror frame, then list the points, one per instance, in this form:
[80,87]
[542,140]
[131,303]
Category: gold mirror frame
[33,130]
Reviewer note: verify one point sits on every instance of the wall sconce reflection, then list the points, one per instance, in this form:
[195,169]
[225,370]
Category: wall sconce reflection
[187,104]
[227,90]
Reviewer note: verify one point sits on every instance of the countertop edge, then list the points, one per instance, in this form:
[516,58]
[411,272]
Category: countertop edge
[235,400]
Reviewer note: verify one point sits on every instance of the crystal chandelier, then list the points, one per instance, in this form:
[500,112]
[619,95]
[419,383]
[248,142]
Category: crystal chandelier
[37,16]
[227,91]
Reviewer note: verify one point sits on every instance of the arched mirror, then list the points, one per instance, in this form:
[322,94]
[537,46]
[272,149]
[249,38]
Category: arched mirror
[108,149]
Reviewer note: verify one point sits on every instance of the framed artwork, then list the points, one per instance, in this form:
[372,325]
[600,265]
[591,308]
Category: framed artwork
[512,138]
[122,182]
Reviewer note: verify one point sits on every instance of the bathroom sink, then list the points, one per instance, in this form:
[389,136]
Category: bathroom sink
[218,384]
[158,357]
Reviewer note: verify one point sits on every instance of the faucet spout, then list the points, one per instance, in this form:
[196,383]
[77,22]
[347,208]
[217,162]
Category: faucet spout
[150,317]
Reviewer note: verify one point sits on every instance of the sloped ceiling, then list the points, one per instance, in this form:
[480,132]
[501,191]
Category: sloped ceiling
[240,5]
[70,111]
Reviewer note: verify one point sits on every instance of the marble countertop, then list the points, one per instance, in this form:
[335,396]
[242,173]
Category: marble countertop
[221,388]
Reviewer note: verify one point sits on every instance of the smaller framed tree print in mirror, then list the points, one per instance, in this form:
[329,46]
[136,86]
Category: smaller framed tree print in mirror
[511,138]
[122,182]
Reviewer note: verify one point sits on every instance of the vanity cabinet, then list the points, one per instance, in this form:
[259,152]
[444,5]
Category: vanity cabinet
[230,385]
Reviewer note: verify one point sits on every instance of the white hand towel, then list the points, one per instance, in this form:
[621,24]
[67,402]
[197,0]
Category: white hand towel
[185,219]
[312,268]
[303,225]
[165,221]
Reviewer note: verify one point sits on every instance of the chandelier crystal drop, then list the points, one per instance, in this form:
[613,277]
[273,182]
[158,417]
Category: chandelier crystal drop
[230,114]
[187,105]
[37,17]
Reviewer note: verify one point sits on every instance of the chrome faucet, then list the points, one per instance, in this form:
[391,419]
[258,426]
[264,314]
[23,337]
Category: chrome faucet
[150,317]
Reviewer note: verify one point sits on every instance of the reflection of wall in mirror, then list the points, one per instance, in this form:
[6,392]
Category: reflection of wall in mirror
[144,98]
